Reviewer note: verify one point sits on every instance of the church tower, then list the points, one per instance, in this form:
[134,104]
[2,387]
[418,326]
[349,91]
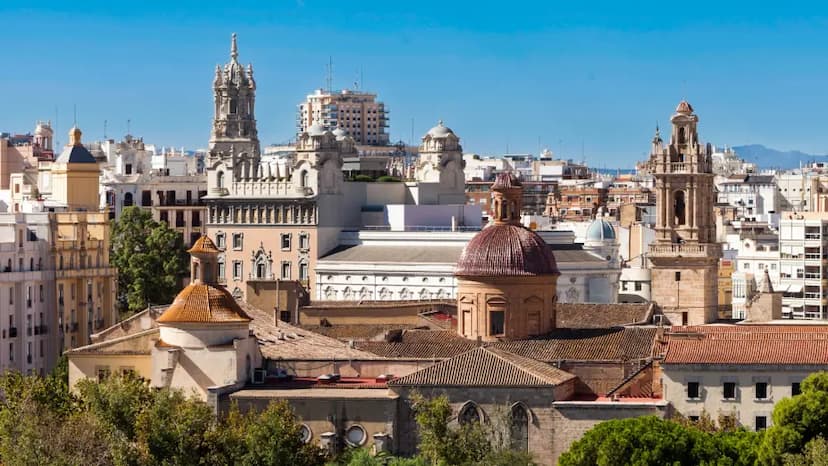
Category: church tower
[685,255]
[234,121]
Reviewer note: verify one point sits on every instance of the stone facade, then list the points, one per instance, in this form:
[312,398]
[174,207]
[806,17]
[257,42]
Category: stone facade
[685,254]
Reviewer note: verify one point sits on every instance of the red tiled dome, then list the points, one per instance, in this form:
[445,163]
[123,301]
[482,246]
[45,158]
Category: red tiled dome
[506,250]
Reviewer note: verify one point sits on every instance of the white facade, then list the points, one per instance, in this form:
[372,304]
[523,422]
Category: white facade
[754,197]
[405,265]
[753,256]
[794,189]
[803,248]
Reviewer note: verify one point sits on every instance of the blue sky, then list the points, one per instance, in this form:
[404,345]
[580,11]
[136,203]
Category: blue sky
[522,75]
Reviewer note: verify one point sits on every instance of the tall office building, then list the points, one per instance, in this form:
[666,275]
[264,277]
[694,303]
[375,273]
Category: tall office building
[357,113]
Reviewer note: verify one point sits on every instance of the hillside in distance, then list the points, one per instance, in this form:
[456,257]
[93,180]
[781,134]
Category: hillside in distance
[766,157]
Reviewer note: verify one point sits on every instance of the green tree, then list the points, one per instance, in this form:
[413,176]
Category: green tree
[150,258]
[274,437]
[117,401]
[797,421]
[650,440]
[470,444]
[815,454]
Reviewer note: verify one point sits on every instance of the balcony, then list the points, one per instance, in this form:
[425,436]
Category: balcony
[685,250]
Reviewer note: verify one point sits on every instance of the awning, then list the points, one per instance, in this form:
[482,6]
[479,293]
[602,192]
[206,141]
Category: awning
[794,288]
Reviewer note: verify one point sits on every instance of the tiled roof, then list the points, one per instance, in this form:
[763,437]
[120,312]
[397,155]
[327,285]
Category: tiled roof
[75,154]
[744,345]
[420,344]
[618,344]
[356,331]
[139,343]
[204,245]
[486,367]
[575,255]
[280,340]
[203,304]
[506,180]
[506,250]
[574,315]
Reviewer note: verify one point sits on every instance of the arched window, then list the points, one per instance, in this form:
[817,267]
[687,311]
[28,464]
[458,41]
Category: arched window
[679,208]
[468,414]
[260,270]
[519,428]
[31,263]
[681,135]
[127,199]
[303,178]
[233,106]
[220,179]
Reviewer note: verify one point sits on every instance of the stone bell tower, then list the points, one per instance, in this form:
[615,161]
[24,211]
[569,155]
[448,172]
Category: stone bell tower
[685,255]
[234,120]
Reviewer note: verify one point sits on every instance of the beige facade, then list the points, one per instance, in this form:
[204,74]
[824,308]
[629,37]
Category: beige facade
[359,114]
[85,282]
[685,255]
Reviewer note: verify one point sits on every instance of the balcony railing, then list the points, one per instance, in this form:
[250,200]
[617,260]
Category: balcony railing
[689,250]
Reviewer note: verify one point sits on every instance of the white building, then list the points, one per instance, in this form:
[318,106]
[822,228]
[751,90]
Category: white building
[754,254]
[803,248]
[404,265]
[754,196]
[358,113]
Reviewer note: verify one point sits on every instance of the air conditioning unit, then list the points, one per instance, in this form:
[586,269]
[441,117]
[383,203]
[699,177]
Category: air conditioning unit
[259,376]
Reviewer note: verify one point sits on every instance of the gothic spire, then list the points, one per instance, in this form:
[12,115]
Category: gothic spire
[234,49]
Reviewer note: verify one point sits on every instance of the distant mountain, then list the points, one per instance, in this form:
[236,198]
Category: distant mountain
[765,157]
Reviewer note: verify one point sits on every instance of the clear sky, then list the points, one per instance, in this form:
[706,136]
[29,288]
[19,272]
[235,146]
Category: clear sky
[522,75]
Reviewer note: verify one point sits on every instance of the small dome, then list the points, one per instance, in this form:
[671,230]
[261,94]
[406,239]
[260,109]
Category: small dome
[440,131]
[506,181]
[204,303]
[506,250]
[316,129]
[600,230]
[43,129]
[340,134]
[684,107]
[204,245]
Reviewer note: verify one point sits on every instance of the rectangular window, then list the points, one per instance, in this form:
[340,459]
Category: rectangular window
[221,270]
[693,418]
[285,241]
[11,351]
[284,316]
[304,242]
[220,240]
[795,389]
[496,322]
[761,423]
[637,286]
[237,270]
[729,390]
[761,390]
[237,240]
[285,270]
[693,390]
[303,271]
[678,276]
[102,372]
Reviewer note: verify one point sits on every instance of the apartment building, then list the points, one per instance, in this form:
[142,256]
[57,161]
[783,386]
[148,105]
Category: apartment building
[740,371]
[755,197]
[755,253]
[358,113]
[803,265]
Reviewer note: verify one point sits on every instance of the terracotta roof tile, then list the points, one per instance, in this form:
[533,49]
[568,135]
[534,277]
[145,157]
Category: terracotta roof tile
[573,315]
[204,303]
[204,245]
[486,366]
[506,250]
[759,344]
[616,344]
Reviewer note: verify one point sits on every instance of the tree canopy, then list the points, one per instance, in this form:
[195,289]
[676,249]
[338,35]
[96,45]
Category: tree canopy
[150,258]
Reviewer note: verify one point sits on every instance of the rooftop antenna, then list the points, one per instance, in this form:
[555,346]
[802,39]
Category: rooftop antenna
[411,138]
[329,78]
[104,130]
[129,125]
[75,115]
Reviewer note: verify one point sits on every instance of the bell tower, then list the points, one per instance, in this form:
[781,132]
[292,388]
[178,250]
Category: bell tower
[234,120]
[684,255]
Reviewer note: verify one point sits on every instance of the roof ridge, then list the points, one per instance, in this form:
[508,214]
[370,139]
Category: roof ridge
[102,344]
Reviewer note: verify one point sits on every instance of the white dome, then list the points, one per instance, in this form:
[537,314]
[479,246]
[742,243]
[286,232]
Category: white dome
[340,134]
[600,230]
[316,129]
[440,131]
[43,129]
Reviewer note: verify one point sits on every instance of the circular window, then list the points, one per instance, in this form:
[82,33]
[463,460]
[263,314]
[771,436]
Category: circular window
[355,436]
[305,433]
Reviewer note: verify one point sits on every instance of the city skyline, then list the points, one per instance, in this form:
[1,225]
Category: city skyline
[561,77]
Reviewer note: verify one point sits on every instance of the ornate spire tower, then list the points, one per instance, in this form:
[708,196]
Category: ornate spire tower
[234,121]
[685,255]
